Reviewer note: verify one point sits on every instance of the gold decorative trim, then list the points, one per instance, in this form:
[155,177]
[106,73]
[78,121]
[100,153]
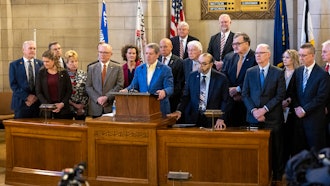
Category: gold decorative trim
[253,9]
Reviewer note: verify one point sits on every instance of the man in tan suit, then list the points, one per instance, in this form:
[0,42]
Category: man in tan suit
[103,77]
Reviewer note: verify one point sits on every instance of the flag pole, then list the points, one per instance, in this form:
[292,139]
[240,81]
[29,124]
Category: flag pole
[35,39]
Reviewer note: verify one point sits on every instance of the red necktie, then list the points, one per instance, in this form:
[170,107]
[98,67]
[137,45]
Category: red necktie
[327,68]
[181,49]
[104,72]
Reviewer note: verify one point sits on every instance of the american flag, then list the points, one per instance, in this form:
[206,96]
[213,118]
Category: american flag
[177,15]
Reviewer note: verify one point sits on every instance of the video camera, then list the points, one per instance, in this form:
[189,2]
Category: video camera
[73,176]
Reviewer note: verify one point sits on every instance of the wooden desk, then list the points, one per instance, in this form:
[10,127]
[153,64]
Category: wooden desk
[230,157]
[123,152]
[37,152]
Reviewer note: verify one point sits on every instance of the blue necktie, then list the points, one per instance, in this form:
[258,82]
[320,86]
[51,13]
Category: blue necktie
[305,78]
[262,77]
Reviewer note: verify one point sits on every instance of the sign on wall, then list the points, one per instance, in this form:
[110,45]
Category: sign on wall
[238,9]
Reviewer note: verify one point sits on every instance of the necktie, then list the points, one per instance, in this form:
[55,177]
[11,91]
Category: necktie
[327,68]
[222,43]
[305,78]
[104,72]
[31,76]
[164,59]
[262,77]
[239,65]
[202,97]
[181,49]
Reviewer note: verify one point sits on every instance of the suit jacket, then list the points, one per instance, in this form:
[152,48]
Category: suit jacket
[161,79]
[176,64]
[217,94]
[313,101]
[187,68]
[114,81]
[214,46]
[230,67]
[270,95]
[19,82]
[176,45]
[64,89]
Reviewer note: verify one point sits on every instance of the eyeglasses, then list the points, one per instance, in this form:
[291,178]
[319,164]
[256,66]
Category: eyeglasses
[204,64]
[238,43]
[259,53]
[102,52]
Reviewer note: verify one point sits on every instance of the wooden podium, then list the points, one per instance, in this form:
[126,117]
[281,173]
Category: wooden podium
[136,106]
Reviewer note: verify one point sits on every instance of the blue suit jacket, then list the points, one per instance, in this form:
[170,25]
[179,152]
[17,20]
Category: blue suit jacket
[19,83]
[270,95]
[161,79]
[187,68]
[217,94]
[230,67]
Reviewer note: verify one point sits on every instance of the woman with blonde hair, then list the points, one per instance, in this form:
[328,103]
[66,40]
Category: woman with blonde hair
[79,98]
[53,86]
[290,62]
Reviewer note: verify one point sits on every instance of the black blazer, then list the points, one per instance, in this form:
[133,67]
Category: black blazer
[214,46]
[176,64]
[270,95]
[176,45]
[64,89]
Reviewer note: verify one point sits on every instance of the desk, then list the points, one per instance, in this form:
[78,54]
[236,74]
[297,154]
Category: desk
[36,153]
[125,153]
[230,157]
[122,153]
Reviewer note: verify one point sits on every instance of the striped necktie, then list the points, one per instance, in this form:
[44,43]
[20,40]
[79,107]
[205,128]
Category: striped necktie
[305,78]
[222,43]
[181,49]
[31,76]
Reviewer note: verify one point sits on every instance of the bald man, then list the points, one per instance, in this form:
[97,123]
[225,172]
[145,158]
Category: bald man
[176,64]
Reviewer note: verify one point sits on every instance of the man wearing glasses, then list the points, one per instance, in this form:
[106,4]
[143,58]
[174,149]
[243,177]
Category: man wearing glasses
[309,101]
[263,93]
[103,77]
[235,65]
[205,89]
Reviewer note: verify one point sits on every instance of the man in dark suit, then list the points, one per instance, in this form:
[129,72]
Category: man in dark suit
[191,63]
[214,95]
[309,101]
[235,65]
[184,37]
[103,77]
[176,64]
[220,43]
[56,48]
[24,101]
[154,77]
[263,93]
